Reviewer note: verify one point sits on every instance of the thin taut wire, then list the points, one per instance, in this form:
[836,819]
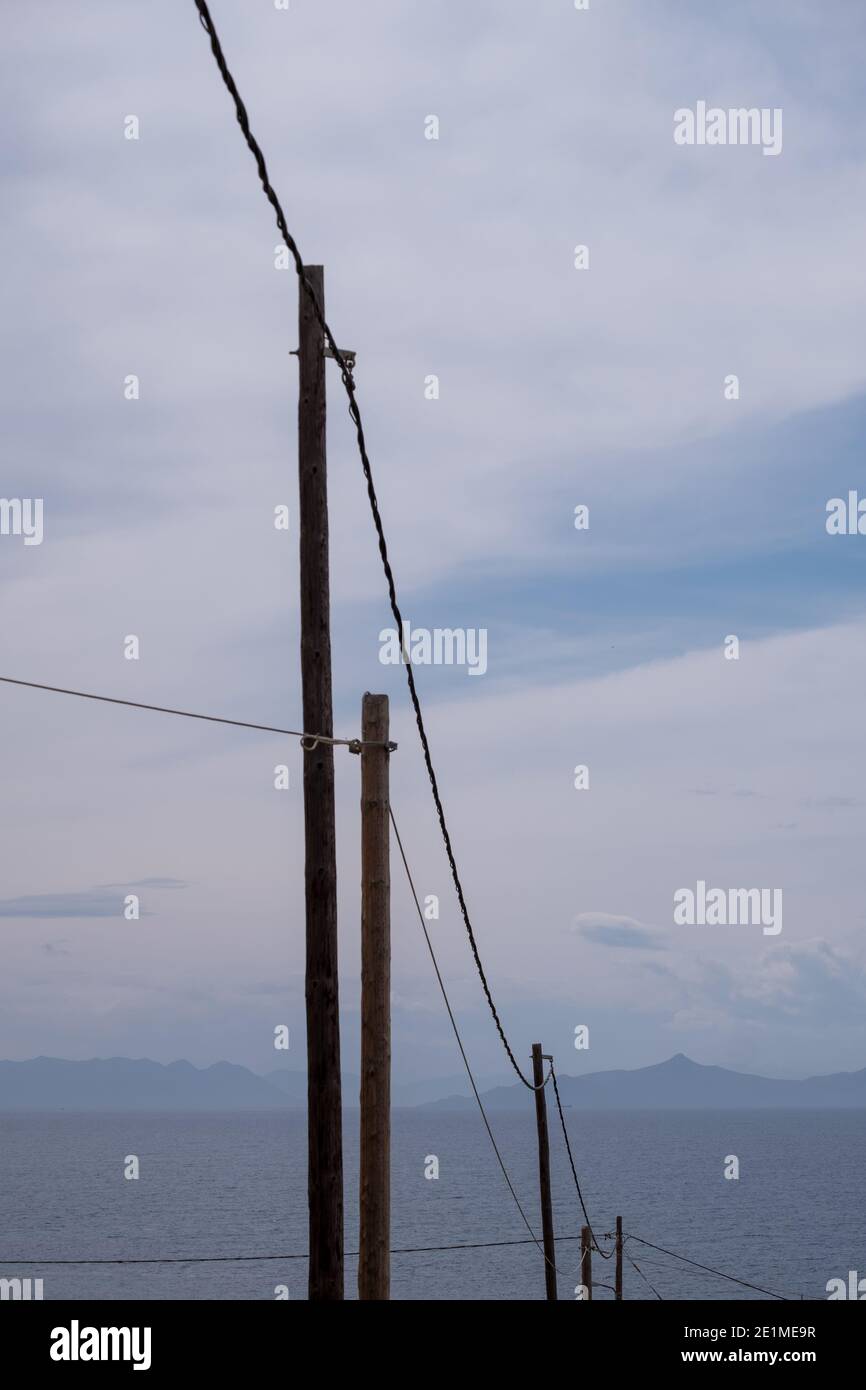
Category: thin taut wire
[444,993]
[308,741]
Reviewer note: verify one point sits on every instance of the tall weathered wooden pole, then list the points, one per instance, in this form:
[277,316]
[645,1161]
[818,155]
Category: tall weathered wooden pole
[618,1273]
[324,1115]
[544,1173]
[374,1267]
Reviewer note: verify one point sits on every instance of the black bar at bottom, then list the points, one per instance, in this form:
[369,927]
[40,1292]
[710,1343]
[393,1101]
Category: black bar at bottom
[74,1338]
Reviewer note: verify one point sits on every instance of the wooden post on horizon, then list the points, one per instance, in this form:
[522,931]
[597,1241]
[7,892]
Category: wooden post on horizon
[618,1273]
[586,1261]
[324,1100]
[544,1173]
[374,1258]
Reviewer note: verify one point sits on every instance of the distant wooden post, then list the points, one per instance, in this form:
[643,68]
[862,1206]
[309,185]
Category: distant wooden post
[618,1276]
[586,1261]
[374,1270]
[324,1101]
[544,1173]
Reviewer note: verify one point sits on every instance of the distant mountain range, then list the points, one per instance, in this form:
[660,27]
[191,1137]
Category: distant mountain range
[681,1084]
[118,1083]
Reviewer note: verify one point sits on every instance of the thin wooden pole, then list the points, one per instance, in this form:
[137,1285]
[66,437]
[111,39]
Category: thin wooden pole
[374,1268]
[544,1173]
[618,1276]
[324,1114]
[586,1260]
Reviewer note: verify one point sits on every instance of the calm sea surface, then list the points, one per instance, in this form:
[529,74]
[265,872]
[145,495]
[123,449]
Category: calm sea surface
[236,1185]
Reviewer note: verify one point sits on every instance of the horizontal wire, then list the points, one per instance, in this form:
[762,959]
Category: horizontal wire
[308,741]
[243,1259]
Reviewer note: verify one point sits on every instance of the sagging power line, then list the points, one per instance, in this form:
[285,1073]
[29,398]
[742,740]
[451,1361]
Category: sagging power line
[296,1255]
[395,1250]
[785,1298]
[355,412]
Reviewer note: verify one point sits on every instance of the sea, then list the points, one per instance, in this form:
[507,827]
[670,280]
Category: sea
[220,1203]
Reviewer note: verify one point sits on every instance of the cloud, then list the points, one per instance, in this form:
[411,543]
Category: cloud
[794,992]
[150,883]
[92,902]
[807,982]
[104,901]
[606,930]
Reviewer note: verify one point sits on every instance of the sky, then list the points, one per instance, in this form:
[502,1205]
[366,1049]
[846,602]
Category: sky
[559,387]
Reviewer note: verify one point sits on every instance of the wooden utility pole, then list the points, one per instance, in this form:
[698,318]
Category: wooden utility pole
[618,1276]
[374,1263]
[544,1173]
[324,1101]
[586,1261]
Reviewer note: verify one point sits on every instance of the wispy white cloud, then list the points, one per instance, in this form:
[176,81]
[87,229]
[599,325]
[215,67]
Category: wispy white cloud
[606,930]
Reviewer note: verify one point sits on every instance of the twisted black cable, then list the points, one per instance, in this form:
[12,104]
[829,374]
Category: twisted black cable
[355,412]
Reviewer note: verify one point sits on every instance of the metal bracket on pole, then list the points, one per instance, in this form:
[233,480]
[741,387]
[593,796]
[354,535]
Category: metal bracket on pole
[357,745]
[347,354]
